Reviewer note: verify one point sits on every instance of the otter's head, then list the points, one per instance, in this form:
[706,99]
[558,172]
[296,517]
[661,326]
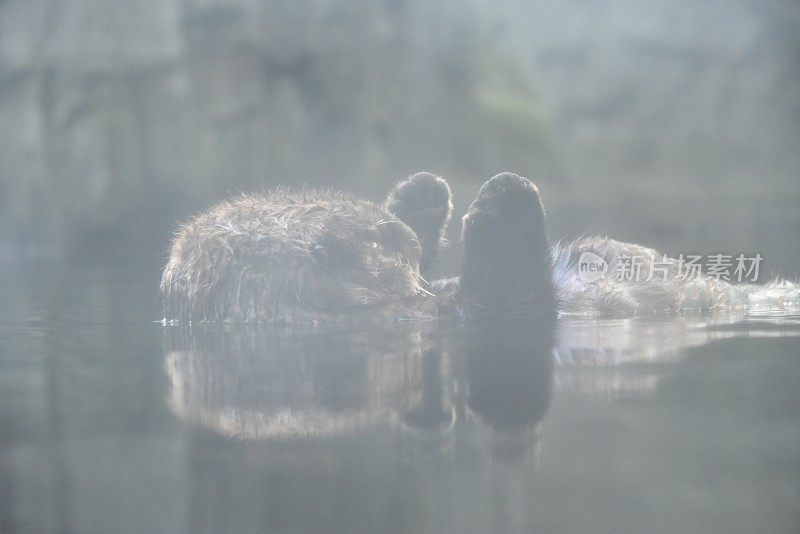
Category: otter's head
[364,256]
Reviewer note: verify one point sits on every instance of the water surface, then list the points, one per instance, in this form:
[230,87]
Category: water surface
[110,422]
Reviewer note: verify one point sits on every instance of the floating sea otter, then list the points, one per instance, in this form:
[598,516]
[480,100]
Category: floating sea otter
[313,256]
[310,255]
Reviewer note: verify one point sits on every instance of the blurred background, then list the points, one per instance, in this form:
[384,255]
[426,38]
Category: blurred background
[675,124]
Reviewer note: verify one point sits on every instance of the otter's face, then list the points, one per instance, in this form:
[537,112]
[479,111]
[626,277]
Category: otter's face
[360,264]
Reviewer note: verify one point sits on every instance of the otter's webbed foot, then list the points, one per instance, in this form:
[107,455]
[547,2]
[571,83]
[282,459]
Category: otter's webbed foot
[507,266]
[424,203]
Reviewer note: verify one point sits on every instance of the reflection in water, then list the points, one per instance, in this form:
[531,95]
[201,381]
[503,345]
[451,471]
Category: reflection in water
[349,431]
[432,408]
[442,430]
[302,384]
[510,376]
[471,396]
[294,384]
[290,384]
[622,356]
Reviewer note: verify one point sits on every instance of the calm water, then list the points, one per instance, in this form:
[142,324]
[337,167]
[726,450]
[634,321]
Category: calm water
[112,423]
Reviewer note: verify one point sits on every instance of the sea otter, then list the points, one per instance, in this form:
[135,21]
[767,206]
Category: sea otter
[312,255]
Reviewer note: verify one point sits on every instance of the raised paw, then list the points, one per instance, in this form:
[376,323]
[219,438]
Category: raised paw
[424,203]
[507,262]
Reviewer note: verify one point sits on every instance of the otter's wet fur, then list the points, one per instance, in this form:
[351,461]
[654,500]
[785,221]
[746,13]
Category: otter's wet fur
[291,256]
[316,256]
[308,255]
[670,293]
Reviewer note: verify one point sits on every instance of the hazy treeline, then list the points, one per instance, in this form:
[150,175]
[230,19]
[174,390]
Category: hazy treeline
[118,117]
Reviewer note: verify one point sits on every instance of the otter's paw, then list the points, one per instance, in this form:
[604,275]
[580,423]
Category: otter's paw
[506,252]
[424,203]
[508,190]
[508,212]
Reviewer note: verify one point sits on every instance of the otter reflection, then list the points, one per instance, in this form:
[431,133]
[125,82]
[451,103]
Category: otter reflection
[290,385]
[509,370]
[432,409]
[302,384]
[611,358]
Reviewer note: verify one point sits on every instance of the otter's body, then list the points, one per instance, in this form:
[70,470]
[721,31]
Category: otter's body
[318,256]
[667,291]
